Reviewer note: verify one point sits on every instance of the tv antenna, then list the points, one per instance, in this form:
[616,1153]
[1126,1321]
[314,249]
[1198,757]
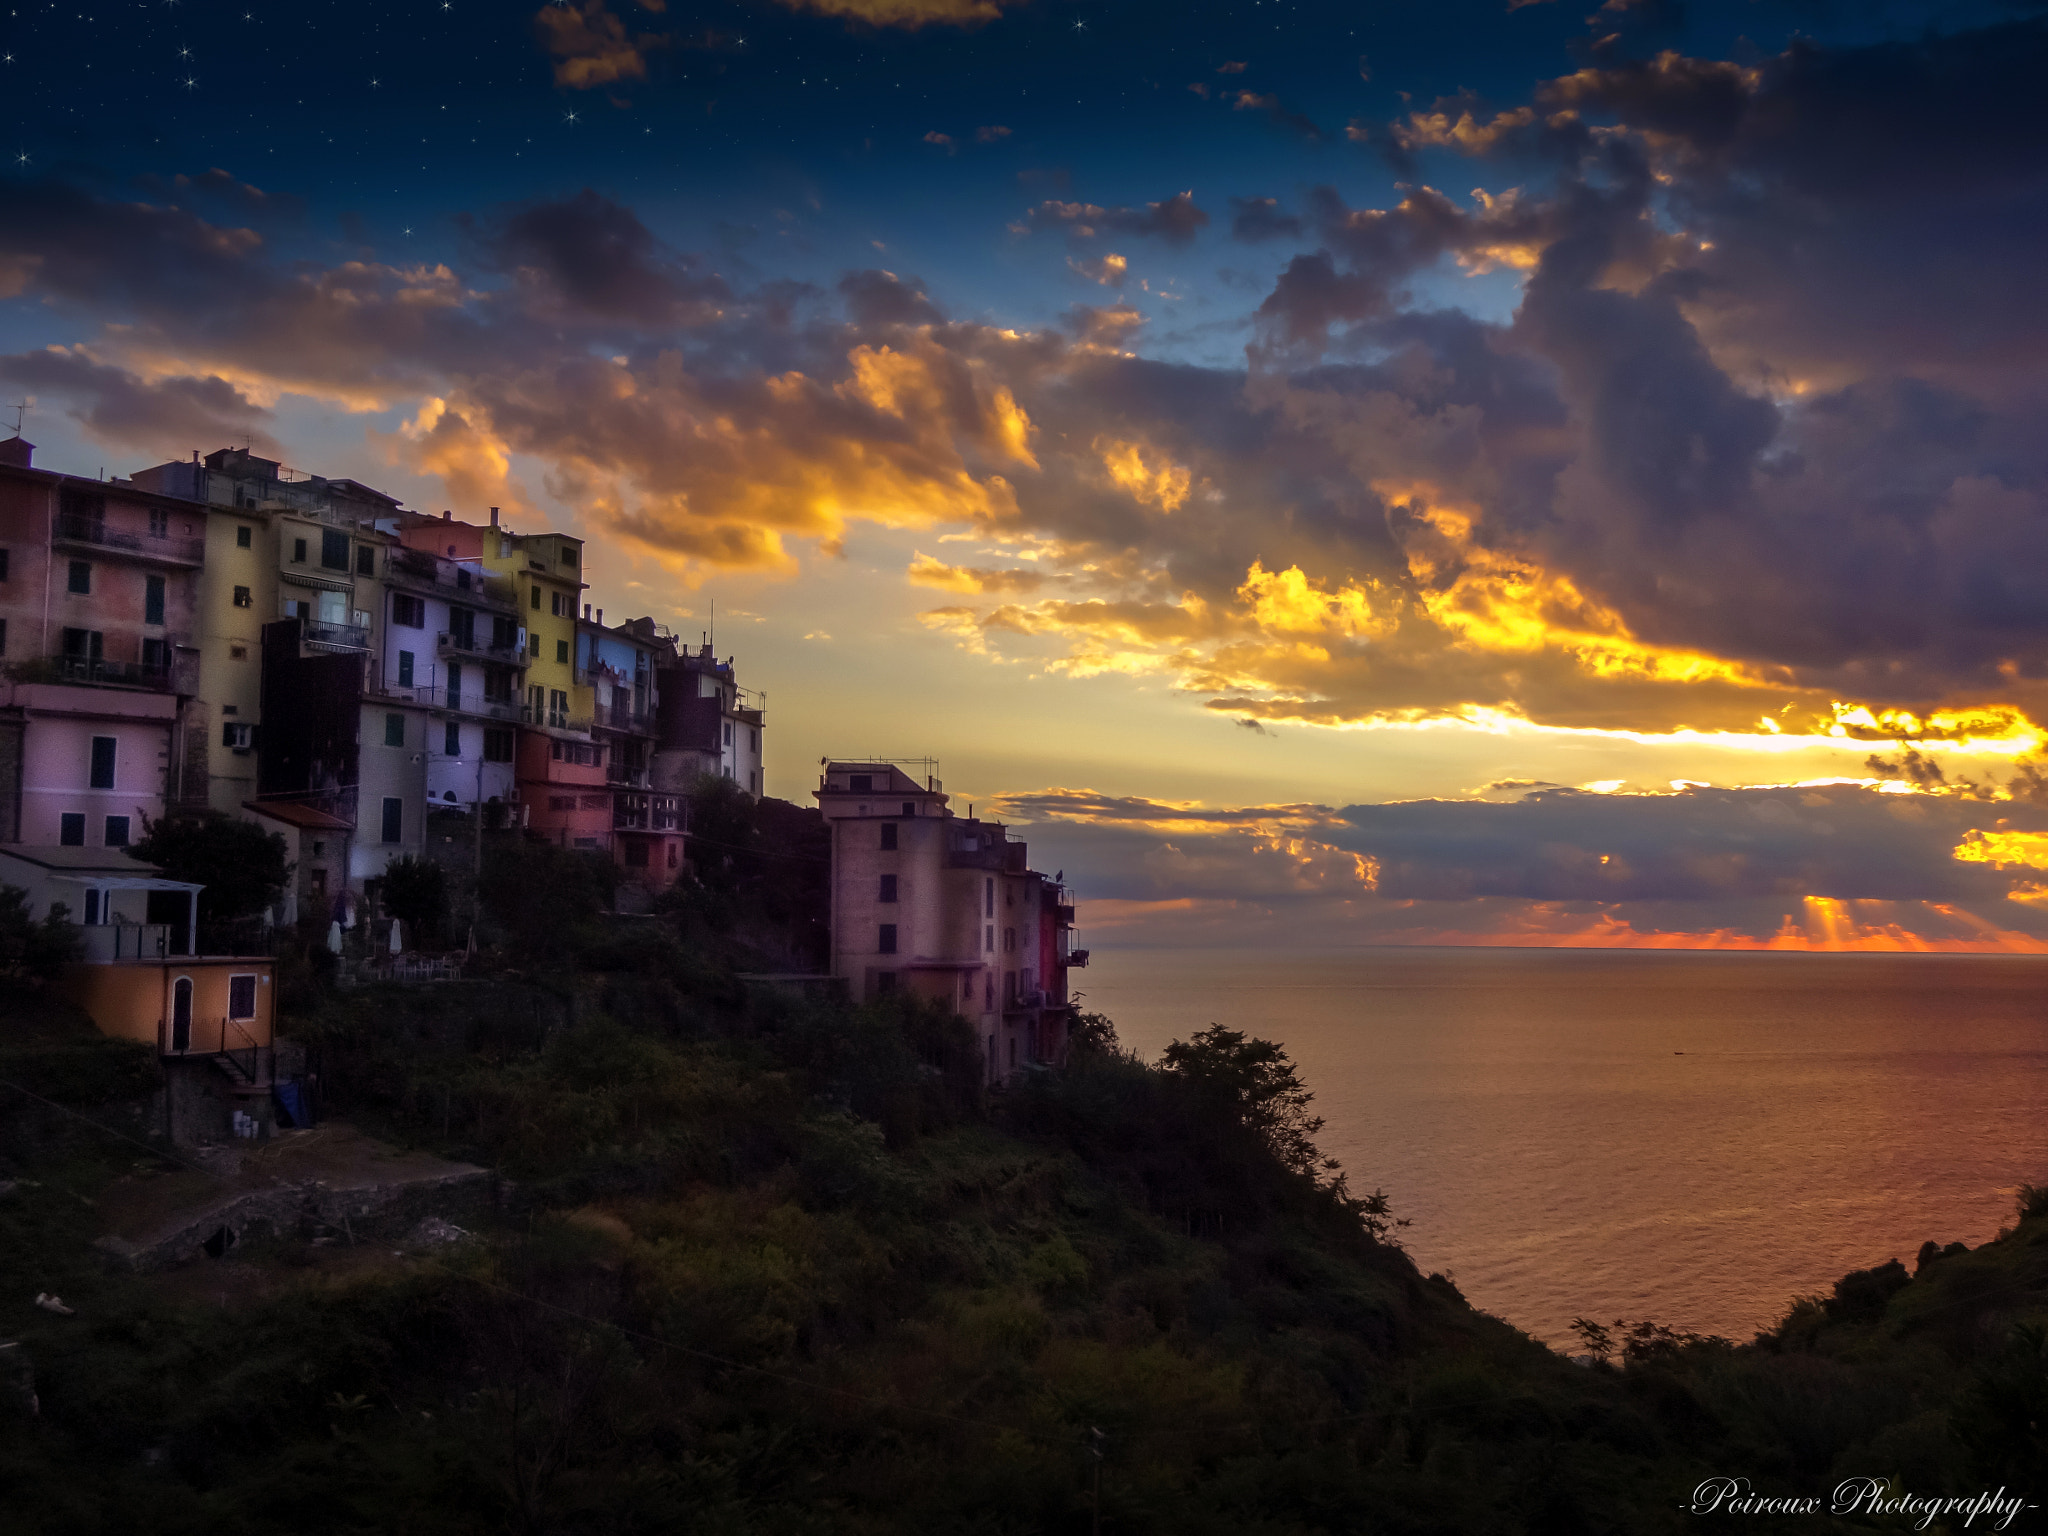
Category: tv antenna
[21,408]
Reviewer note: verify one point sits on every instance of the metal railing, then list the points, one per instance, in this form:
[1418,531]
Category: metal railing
[97,669]
[504,655]
[79,528]
[336,637]
[105,943]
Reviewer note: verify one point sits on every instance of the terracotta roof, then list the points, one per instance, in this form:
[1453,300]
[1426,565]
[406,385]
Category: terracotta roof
[295,815]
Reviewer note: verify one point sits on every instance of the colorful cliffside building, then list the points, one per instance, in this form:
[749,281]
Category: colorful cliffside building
[947,907]
[98,600]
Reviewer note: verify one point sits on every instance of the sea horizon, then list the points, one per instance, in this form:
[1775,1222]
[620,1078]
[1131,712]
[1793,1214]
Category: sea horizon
[1694,1144]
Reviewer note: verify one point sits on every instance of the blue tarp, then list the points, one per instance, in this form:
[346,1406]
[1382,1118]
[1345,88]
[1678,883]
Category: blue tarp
[291,1103]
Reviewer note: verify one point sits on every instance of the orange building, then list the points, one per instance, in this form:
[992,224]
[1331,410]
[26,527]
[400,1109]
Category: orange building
[211,1018]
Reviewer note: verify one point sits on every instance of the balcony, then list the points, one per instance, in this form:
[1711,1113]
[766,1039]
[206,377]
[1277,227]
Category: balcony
[468,646]
[415,571]
[98,670]
[325,636]
[464,701]
[632,723]
[558,719]
[93,533]
[105,943]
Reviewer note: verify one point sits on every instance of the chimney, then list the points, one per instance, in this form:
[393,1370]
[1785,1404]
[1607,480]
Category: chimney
[17,452]
[447,516]
[600,618]
[494,517]
[586,613]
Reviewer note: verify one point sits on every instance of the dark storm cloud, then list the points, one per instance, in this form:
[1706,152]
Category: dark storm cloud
[155,416]
[598,257]
[1176,219]
[1262,218]
[1840,842]
[1797,868]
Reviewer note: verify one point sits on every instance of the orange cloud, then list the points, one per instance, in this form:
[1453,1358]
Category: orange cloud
[591,46]
[907,14]
[926,571]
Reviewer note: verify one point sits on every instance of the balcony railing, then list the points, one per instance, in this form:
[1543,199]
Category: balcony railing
[483,650]
[560,719]
[624,720]
[336,637]
[105,943]
[76,528]
[122,674]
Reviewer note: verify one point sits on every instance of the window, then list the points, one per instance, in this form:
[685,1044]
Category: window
[558,707]
[455,685]
[103,748]
[394,819]
[988,941]
[238,653]
[242,598]
[394,736]
[405,669]
[887,943]
[451,740]
[989,898]
[71,829]
[888,835]
[366,560]
[888,888]
[568,555]
[555,604]
[156,656]
[319,848]
[298,551]
[81,577]
[533,646]
[236,735]
[3,565]
[536,597]
[497,746]
[561,802]
[728,733]
[152,600]
[3,637]
[1009,941]
[93,910]
[862,782]
[117,831]
[242,997]
[242,536]
[409,611]
[755,743]
[909,808]
[562,652]
[159,523]
[334,550]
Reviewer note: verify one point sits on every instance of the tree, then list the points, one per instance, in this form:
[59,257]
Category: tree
[415,892]
[32,952]
[242,867]
[1253,1084]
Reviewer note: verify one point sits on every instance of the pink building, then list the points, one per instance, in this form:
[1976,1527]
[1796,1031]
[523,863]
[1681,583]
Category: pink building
[98,585]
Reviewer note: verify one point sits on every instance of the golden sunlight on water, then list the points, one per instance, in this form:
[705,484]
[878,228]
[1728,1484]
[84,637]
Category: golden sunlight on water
[1694,1138]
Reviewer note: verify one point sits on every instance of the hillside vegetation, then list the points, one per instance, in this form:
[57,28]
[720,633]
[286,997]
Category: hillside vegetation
[770,1266]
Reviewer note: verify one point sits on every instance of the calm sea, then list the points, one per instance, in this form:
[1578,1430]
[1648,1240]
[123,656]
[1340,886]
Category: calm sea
[1690,1137]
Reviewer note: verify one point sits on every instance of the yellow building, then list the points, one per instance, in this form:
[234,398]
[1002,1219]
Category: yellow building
[279,544]
[546,571]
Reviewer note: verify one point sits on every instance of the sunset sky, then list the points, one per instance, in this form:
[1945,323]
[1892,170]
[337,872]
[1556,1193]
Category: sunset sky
[1504,472]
